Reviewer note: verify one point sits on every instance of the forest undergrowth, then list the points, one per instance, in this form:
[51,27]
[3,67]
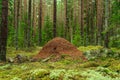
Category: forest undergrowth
[102,64]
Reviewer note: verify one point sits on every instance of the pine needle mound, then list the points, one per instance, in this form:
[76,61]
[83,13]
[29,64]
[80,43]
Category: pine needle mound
[59,46]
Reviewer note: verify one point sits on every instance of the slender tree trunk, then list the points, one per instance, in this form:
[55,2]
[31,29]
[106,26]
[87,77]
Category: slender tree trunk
[25,21]
[55,19]
[43,11]
[4,30]
[29,25]
[82,21]
[40,23]
[87,22]
[91,23]
[33,19]
[20,11]
[75,17]
[62,19]
[106,42]
[17,23]
[99,21]
[66,20]
[79,20]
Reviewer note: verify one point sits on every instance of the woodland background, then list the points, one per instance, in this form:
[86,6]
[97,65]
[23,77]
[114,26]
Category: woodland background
[82,22]
[91,25]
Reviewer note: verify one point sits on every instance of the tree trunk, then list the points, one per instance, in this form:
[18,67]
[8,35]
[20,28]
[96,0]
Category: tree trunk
[87,37]
[40,23]
[20,11]
[82,21]
[91,20]
[55,19]
[4,30]
[66,20]
[16,20]
[75,17]
[106,42]
[33,19]
[25,21]
[99,21]
[29,25]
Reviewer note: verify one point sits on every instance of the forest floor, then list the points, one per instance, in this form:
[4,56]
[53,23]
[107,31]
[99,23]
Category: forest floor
[102,64]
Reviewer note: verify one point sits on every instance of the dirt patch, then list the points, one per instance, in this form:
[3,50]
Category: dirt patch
[59,46]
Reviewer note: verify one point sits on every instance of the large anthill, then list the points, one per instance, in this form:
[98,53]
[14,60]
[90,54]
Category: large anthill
[57,47]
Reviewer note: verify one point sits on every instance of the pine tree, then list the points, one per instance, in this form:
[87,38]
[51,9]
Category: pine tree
[4,30]
[82,21]
[99,20]
[40,23]
[55,19]
[106,42]
[29,25]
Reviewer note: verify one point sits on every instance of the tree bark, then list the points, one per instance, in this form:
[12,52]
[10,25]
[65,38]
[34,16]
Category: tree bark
[33,19]
[29,25]
[66,19]
[106,42]
[40,23]
[99,4]
[87,37]
[91,20]
[55,19]
[82,21]
[26,22]
[4,30]
[16,20]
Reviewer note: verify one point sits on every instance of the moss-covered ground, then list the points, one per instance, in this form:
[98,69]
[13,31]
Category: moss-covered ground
[97,68]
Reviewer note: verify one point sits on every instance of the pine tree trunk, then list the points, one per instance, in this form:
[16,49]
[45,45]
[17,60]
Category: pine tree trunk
[20,11]
[75,17]
[106,42]
[40,23]
[66,20]
[25,21]
[91,40]
[87,38]
[29,25]
[82,22]
[4,30]
[15,23]
[99,21]
[33,19]
[55,19]
[17,15]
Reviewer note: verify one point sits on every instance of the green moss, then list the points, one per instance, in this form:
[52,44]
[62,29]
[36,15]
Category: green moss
[95,75]
[57,74]
[16,78]
[115,65]
[89,64]
[115,50]
[11,52]
[39,73]
[64,69]
[88,48]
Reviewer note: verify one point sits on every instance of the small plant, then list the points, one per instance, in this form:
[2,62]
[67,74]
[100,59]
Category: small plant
[57,74]
[16,78]
[39,73]
[95,75]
